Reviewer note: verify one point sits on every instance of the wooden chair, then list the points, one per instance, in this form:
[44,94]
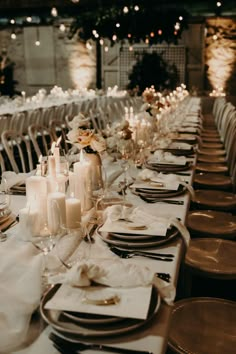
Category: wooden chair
[19,151]
[209,268]
[42,139]
[60,129]
[204,326]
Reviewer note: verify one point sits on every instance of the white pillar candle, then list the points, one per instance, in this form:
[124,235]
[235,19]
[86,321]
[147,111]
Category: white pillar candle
[83,190]
[36,191]
[51,166]
[73,213]
[56,184]
[56,210]
[28,223]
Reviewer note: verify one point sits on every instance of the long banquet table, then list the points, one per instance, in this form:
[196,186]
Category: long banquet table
[153,336]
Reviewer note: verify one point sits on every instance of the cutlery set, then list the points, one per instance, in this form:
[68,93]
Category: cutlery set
[66,346]
[134,253]
[157,200]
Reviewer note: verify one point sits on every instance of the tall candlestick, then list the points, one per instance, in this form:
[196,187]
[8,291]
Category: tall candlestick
[51,166]
[36,191]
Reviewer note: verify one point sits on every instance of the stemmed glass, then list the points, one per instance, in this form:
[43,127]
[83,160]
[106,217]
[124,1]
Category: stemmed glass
[44,232]
[126,149]
[4,204]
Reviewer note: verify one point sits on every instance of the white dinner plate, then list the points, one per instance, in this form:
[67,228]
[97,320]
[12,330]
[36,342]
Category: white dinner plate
[68,327]
[134,241]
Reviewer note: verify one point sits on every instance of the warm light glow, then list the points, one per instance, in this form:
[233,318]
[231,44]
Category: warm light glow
[218,4]
[101,41]
[29,19]
[125,9]
[13,35]
[136,8]
[159,32]
[62,27]
[54,12]
[12,21]
[131,48]
[129,35]
[106,48]
[147,41]
[117,25]
[89,46]
[177,26]
[181,18]
[152,34]
[114,37]
[37,43]
[220,54]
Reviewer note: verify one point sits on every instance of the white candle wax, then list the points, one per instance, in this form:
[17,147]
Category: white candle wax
[73,213]
[56,207]
[83,191]
[36,191]
[52,166]
[27,223]
[56,184]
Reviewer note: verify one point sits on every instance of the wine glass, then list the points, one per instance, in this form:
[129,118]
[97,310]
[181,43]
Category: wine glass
[43,230]
[126,149]
[4,204]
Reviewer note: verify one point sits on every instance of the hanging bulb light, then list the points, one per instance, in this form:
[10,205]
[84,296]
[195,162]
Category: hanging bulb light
[62,27]
[89,46]
[218,4]
[13,35]
[29,19]
[125,9]
[181,18]
[54,12]
[12,21]
[37,41]
[101,41]
[114,37]
[106,48]
[136,8]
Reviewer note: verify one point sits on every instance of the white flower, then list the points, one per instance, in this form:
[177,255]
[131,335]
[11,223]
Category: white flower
[79,121]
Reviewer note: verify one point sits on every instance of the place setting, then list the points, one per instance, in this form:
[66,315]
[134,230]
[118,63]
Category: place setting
[123,229]
[162,161]
[99,297]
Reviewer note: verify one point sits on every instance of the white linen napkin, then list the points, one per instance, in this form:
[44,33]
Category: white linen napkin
[20,290]
[13,178]
[160,156]
[110,272]
[168,179]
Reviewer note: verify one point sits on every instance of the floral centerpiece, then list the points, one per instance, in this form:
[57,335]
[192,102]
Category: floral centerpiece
[118,134]
[83,137]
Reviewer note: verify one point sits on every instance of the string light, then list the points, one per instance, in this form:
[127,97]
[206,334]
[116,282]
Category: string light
[106,48]
[54,12]
[125,10]
[29,19]
[131,48]
[218,4]
[12,21]
[62,27]
[177,26]
[101,41]
[152,34]
[159,32]
[136,8]
[13,35]
[114,37]
[181,18]
[215,37]
[37,42]
[117,25]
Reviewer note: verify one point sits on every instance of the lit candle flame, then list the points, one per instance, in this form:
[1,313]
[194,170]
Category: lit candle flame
[58,141]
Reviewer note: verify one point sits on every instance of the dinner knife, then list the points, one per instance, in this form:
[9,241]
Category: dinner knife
[74,347]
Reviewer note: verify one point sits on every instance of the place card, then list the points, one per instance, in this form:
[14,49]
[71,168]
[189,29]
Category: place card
[76,299]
